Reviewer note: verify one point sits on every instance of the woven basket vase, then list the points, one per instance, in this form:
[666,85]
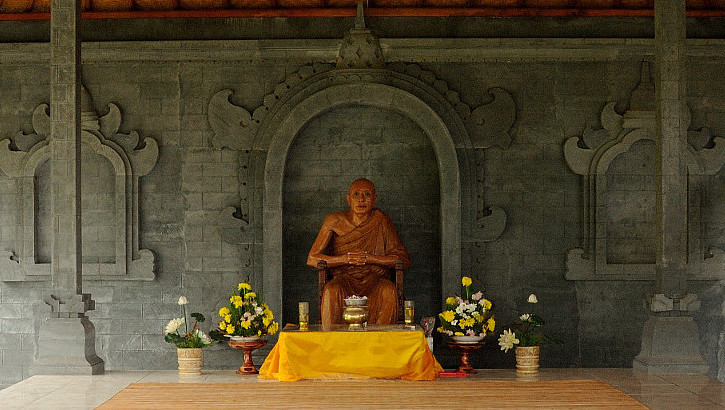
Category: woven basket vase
[190,360]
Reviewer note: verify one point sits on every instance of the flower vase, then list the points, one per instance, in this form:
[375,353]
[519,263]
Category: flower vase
[527,359]
[467,340]
[244,338]
[248,347]
[190,360]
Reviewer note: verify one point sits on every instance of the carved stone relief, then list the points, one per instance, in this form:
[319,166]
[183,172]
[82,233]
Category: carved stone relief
[594,155]
[487,125]
[458,133]
[360,48]
[128,158]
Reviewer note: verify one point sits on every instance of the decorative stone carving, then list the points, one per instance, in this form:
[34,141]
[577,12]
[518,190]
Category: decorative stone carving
[458,133]
[591,155]
[490,221]
[234,222]
[360,48]
[233,229]
[234,127]
[130,158]
[487,125]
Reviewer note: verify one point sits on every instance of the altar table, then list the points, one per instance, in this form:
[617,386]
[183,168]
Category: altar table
[381,351]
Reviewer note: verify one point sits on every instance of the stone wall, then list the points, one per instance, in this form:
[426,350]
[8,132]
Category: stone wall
[182,197]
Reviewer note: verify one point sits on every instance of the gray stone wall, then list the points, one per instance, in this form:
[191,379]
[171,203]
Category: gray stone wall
[180,200]
[21,305]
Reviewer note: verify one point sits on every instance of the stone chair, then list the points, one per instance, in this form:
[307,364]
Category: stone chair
[396,276]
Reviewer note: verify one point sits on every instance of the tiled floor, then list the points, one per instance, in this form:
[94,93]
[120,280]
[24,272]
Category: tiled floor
[86,392]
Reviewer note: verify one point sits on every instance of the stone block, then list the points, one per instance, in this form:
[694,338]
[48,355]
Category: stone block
[11,374]
[201,156]
[144,326]
[105,326]
[214,201]
[220,264]
[27,341]
[16,310]
[15,326]
[9,341]
[130,360]
[230,251]
[161,310]
[191,138]
[195,264]
[112,358]
[146,293]
[125,342]
[17,357]
[193,201]
[219,169]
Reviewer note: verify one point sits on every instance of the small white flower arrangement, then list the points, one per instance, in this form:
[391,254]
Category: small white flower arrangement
[356,297]
[355,300]
[522,331]
[193,338]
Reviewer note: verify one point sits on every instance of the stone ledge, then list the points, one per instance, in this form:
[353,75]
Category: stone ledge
[439,50]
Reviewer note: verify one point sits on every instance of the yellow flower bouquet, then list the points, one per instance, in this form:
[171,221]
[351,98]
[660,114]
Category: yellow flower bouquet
[246,315]
[469,315]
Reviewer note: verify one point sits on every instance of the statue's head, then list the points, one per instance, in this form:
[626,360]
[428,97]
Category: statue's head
[362,197]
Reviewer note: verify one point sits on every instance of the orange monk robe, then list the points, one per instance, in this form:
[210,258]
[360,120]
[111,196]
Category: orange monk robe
[376,236]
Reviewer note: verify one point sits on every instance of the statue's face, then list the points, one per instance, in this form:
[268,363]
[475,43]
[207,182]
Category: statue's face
[362,198]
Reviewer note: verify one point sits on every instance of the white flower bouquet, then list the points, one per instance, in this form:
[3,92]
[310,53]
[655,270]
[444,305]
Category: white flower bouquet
[523,331]
[193,338]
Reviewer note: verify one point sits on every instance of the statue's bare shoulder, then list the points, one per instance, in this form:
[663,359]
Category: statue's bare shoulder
[337,222]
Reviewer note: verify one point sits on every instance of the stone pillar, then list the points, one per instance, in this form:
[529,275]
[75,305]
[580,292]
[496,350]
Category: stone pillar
[66,341]
[670,338]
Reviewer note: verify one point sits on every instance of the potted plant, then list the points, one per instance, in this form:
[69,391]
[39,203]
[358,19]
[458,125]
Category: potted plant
[467,318]
[190,342]
[524,336]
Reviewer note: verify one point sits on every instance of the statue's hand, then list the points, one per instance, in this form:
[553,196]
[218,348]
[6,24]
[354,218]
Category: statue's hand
[357,258]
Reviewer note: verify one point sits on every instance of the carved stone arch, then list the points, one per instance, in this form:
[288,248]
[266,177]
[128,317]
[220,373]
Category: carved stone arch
[372,94]
[459,135]
[611,151]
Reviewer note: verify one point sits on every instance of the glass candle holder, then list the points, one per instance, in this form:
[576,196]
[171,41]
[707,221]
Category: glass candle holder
[409,309]
[304,315]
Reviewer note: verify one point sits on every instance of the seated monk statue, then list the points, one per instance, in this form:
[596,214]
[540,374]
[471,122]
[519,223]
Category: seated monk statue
[360,246]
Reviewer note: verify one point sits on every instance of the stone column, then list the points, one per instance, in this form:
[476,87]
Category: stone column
[670,338]
[66,341]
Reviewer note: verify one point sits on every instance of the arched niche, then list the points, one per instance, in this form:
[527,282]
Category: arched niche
[101,207]
[330,151]
[104,227]
[458,134]
[293,117]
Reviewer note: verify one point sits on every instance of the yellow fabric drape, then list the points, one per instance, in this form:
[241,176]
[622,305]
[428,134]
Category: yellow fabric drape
[358,355]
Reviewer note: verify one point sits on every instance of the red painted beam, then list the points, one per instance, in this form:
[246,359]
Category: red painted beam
[371,12]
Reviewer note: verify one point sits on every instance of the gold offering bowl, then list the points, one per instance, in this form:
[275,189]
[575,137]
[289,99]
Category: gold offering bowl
[355,316]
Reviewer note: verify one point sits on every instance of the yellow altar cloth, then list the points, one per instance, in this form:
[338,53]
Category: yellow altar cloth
[387,352]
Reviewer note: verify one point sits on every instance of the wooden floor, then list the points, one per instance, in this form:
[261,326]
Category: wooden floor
[443,393]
